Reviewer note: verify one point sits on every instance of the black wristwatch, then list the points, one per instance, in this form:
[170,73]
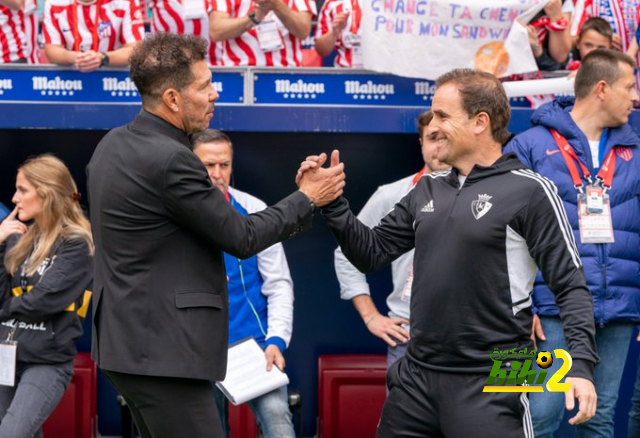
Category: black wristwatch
[252,17]
[105,60]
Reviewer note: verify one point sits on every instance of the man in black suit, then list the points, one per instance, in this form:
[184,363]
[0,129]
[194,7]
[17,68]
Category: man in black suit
[160,227]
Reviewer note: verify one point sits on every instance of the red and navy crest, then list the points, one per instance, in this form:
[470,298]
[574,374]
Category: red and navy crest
[105,29]
[624,152]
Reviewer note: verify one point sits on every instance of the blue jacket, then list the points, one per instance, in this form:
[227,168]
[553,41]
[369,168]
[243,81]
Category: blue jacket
[248,306]
[612,270]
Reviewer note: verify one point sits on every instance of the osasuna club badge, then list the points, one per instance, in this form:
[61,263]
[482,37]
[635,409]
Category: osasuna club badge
[481,206]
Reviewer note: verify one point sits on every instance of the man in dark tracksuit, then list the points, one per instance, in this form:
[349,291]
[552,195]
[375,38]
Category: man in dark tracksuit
[480,232]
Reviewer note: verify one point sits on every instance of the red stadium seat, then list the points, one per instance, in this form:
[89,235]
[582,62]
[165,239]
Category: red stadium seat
[242,424]
[351,392]
[75,415]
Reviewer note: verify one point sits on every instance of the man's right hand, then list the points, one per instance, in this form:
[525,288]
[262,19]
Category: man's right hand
[536,331]
[389,329]
[321,185]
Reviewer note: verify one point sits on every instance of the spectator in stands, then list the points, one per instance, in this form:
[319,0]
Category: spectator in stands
[264,33]
[19,29]
[596,33]
[596,130]
[549,34]
[180,17]
[620,14]
[353,284]
[90,34]
[48,267]
[339,28]
[260,293]
[634,46]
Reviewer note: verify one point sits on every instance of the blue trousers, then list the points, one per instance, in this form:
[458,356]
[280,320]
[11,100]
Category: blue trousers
[547,408]
[25,406]
[271,411]
[634,414]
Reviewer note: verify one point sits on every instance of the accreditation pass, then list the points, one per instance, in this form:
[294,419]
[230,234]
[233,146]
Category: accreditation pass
[8,363]
[595,227]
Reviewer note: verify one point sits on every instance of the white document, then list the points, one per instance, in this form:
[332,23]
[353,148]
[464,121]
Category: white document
[247,375]
[8,364]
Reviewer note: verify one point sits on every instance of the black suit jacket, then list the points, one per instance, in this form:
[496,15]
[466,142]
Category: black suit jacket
[160,301]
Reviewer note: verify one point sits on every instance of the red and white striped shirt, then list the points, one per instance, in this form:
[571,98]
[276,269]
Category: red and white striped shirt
[174,16]
[350,36]
[245,50]
[620,14]
[18,32]
[102,26]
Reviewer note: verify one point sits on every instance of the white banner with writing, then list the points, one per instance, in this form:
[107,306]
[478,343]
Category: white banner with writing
[426,38]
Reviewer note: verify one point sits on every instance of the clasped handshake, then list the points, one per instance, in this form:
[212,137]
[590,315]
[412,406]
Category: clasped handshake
[321,184]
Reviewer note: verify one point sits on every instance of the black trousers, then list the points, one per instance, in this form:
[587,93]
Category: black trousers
[169,407]
[428,404]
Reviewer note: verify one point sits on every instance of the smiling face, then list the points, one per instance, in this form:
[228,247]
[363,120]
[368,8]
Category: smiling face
[451,124]
[198,99]
[620,97]
[26,198]
[430,142]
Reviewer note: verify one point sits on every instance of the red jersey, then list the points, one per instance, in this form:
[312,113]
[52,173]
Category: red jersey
[182,17]
[245,50]
[102,26]
[348,52]
[18,32]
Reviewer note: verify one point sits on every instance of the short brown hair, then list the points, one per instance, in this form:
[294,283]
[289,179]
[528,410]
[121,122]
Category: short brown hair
[599,65]
[423,121]
[210,136]
[599,25]
[482,92]
[163,61]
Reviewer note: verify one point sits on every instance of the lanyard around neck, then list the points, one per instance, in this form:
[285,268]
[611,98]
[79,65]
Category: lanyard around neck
[418,176]
[604,175]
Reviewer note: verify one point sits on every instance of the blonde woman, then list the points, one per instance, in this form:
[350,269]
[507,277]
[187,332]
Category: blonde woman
[48,269]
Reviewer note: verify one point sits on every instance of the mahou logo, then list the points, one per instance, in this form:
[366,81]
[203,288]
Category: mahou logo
[368,90]
[56,86]
[424,89]
[5,84]
[118,87]
[299,89]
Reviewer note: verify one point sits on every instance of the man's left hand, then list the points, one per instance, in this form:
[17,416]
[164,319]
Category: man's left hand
[583,390]
[274,355]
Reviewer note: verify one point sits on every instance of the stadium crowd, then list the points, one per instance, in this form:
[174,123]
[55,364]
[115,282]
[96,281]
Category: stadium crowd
[90,34]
